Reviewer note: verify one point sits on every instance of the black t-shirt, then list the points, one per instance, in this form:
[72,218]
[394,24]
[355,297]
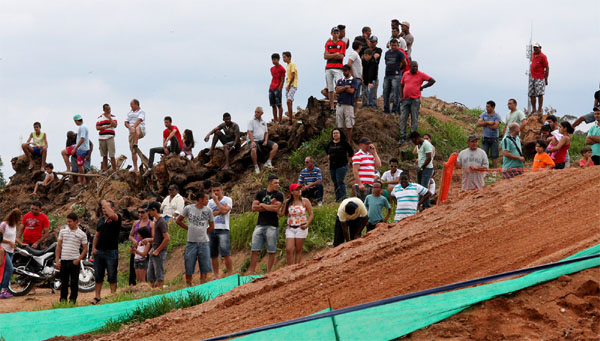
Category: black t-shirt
[109,233]
[339,153]
[267,217]
[378,51]
[160,228]
[393,63]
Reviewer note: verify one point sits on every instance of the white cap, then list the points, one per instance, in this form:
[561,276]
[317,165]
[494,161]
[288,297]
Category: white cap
[537,45]
[405,23]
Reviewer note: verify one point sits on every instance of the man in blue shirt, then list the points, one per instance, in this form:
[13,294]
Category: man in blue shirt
[394,64]
[311,180]
[344,114]
[512,161]
[490,121]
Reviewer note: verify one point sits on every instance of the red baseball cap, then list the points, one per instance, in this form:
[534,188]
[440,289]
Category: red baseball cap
[294,187]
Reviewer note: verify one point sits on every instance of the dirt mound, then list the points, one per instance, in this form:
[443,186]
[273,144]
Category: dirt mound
[567,307]
[529,220]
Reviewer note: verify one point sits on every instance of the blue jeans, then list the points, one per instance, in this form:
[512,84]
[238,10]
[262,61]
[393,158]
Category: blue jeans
[368,94]
[423,179]
[106,260]
[265,234]
[199,251]
[337,177]
[391,88]
[412,106]
[8,270]
[220,241]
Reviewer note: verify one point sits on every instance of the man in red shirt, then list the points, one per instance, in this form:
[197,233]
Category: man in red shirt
[335,50]
[171,141]
[539,77]
[411,86]
[35,226]
[278,73]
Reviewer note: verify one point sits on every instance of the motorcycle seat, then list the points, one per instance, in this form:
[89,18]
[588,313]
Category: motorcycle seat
[35,252]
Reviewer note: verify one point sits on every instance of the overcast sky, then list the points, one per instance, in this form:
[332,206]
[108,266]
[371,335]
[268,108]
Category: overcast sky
[194,60]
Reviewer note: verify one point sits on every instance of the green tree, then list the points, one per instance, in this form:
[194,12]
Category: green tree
[2,181]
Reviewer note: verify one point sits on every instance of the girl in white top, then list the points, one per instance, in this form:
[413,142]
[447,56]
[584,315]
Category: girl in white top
[296,208]
[141,253]
[9,228]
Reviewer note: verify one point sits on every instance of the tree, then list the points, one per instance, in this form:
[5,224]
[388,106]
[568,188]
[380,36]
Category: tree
[2,181]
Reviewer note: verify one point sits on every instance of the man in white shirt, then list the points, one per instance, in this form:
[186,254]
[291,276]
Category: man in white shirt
[173,204]
[258,136]
[357,70]
[474,162]
[391,177]
[220,241]
[135,122]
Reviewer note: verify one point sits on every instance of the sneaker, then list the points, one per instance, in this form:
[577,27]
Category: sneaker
[5,294]
[256,169]
[269,165]
[320,203]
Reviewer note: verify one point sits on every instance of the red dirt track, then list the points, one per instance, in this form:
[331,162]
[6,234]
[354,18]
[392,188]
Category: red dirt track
[530,220]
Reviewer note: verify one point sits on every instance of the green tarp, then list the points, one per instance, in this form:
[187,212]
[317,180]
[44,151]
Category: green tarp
[397,319]
[44,324]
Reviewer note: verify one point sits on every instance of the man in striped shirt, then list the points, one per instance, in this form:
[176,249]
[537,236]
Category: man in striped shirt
[364,163]
[68,257]
[106,125]
[311,180]
[407,195]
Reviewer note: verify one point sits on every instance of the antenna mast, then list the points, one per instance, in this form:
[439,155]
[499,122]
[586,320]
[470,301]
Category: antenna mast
[529,54]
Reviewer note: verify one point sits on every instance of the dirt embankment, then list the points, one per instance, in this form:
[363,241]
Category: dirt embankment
[529,220]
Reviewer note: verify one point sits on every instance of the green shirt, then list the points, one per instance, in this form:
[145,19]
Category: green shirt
[514,117]
[508,145]
[595,131]
[425,148]
[375,205]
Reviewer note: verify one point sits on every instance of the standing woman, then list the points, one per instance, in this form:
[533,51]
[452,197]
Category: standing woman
[144,221]
[563,145]
[8,228]
[295,208]
[340,154]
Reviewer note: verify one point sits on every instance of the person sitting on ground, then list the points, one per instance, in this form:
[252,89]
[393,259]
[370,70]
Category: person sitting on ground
[391,177]
[512,156]
[68,256]
[37,144]
[593,138]
[188,145]
[344,113]
[143,221]
[474,162]
[228,133]
[158,253]
[375,203]
[407,196]
[106,125]
[105,248]
[82,147]
[171,141]
[9,227]
[295,208]
[586,157]
[258,135]
[541,159]
[364,163]
[559,148]
[173,204]
[278,77]
[424,162]
[311,180]
[291,83]
[352,217]
[136,123]
[340,154]
[140,253]
[220,238]
[48,179]
[201,222]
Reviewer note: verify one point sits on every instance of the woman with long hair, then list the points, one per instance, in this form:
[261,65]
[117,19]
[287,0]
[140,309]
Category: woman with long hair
[9,228]
[143,221]
[340,154]
[295,209]
[188,144]
[560,148]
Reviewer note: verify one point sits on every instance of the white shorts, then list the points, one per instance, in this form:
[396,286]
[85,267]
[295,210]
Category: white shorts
[331,78]
[290,93]
[297,232]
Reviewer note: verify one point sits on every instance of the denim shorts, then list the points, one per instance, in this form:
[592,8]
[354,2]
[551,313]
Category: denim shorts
[219,240]
[275,98]
[156,267]
[262,234]
[197,251]
[141,264]
[106,261]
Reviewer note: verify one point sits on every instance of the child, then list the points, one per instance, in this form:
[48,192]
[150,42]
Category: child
[188,144]
[541,159]
[586,160]
[140,262]
[37,144]
[291,85]
[278,73]
[545,132]
[48,180]
[375,203]
[68,257]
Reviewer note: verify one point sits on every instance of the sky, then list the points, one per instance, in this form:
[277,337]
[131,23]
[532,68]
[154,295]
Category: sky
[195,60]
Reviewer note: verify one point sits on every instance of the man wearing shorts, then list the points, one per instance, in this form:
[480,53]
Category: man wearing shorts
[158,253]
[106,125]
[490,121]
[135,122]
[219,238]
[335,50]
[228,133]
[266,203]
[539,78]
[200,224]
[82,147]
[37,144]
[258,135]
[278,74]
[344,114]
[106,248]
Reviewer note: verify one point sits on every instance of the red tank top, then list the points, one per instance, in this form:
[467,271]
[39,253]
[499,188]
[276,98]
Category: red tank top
[561,155]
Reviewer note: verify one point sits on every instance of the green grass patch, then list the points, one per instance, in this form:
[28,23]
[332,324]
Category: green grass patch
[314,148]
[577,142]
[448,137]
[63,305]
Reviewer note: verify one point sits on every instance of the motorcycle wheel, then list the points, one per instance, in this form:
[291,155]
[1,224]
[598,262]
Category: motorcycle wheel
[87,279]
[20,285]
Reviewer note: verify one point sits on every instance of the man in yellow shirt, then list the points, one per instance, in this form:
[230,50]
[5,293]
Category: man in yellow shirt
[291,84]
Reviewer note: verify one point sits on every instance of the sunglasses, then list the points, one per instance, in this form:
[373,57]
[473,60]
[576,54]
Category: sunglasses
[140,212]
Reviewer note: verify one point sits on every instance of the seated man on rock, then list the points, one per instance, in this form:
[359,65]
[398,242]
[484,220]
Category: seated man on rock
[228,133]
[311,180]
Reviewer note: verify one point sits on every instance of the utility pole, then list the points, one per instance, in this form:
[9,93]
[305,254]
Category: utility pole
[529,54]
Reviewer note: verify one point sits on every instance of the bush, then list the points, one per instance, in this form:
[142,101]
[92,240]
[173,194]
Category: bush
[577,142]
[448,137]
[314,148]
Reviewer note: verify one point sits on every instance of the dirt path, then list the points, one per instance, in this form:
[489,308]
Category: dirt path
[533,219]
[41,300]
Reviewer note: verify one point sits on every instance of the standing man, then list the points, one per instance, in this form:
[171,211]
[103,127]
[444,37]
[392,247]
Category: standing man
[394,64]
[474,162]
[343,37]
[407,36]
[335,50]
[490,121]
[512,156]
[424,163]
[137,129]
[106,248]
[158,253]
[391,177]
[278,77]
[514,115]
[36,226]
[396,35]
[171,141]
[539,78]
[228,133]
[593,138]
[68,257]
[364,163]
[344,114]
[352,217]
[106,125]
[266,203]
[407,196]
[220,240]
[201,222]
[377,52]
[173,204]
[364,38]
[258,134]
[311,180]
[411,86]
[355,63]
[291,84]
[82,147]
